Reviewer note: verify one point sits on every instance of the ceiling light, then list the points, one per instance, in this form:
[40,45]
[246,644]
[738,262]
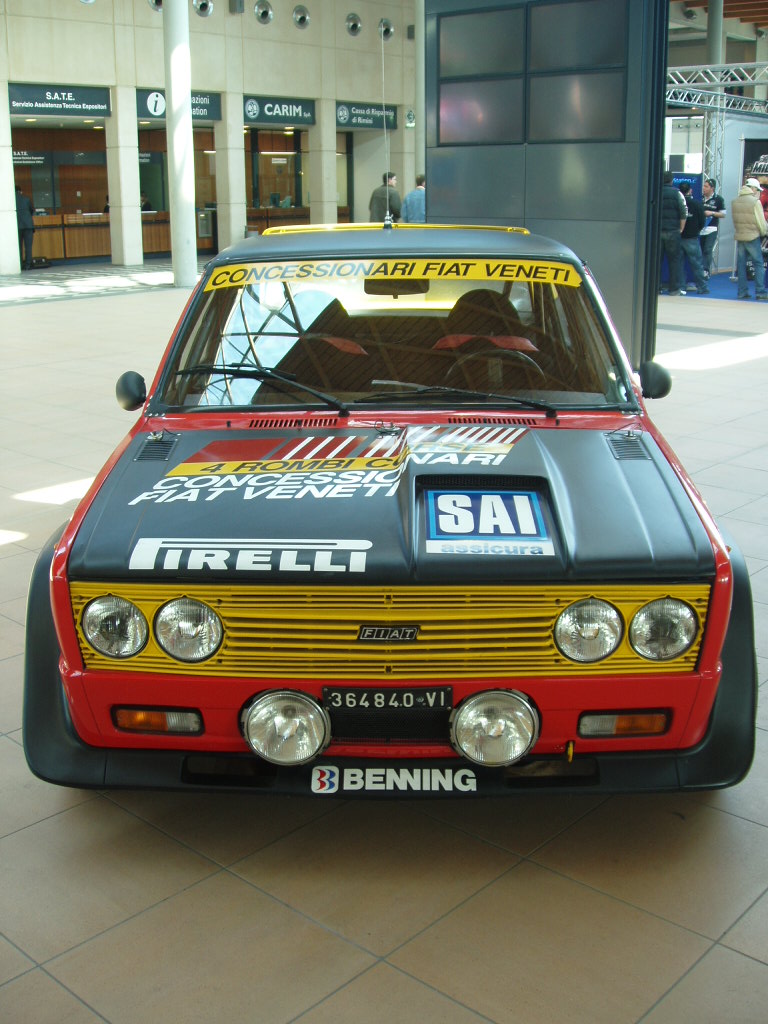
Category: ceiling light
[263,11]
[300,16]
[204,8]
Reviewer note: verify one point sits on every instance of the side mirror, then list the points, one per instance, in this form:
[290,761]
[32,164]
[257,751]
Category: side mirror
[131,390]
[656,380]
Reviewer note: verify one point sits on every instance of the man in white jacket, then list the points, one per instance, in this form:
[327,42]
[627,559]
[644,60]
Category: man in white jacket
[749,227]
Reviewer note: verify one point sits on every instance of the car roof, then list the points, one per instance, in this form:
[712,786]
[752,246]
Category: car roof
[354,240]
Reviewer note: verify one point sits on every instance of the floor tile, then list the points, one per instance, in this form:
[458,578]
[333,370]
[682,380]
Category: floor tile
[16,572]
[722,500]
[749,799]
[377,873]
[669,855]
[759,581]
[15,610]
[724,986]
[11,636]
[70,876]
[537,947]
[12,963]
[389,995]
[749,536]
[35,998]
[519,824]
[750,934]
[237,956]
[24,799]
[223,826]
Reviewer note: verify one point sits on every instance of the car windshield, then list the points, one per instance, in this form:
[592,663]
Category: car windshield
[408,332]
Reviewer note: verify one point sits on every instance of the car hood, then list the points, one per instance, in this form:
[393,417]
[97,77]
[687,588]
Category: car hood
[381,504]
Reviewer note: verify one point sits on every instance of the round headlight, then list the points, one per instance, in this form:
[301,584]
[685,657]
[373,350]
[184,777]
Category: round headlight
[115,627]
[663,629]
[285,727]
[495,728]
[588,630]
[188,630]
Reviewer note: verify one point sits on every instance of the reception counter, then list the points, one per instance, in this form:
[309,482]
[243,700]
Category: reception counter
[82,236]
[261,217]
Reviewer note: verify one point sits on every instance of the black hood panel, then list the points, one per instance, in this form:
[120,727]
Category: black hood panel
[361,505]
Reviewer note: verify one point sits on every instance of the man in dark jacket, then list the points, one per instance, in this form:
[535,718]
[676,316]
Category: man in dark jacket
[714,211]
[385,198]
[673,218]
[25,213]
[689,240]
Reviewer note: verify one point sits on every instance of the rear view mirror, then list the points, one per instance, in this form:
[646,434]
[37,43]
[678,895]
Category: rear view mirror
[395,286]
[656,380]
[131,390]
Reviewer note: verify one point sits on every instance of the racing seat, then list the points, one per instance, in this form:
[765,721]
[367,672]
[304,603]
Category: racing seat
[489,344]
[326,356]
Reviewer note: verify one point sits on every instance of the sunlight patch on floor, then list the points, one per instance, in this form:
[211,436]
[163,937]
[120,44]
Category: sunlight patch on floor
[58,494]
[717,355]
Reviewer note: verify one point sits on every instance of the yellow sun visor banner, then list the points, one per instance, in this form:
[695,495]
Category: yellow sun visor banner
[538,271]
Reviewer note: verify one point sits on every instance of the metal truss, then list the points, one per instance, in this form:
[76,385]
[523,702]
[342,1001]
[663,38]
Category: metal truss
[710,87]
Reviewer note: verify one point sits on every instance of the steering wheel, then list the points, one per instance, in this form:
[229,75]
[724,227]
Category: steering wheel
[492,353]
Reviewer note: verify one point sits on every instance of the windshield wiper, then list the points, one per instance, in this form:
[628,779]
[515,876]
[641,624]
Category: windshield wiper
[411,389]
[273,377]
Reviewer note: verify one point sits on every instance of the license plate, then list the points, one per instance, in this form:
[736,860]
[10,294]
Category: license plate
[401,713]
[345,698]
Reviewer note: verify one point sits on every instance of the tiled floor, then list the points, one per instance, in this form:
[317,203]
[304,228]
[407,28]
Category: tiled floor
[149,907]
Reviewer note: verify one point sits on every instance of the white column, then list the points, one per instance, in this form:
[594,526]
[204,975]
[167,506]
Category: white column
[230,171]
[420,108]
[761,57]
[9,231]
[323,207]
[715,32]
[181,161]
[713,118]
[122,140]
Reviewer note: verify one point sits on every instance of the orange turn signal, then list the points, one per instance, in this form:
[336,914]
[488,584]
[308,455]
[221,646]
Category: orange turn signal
[626,723]
[157,720]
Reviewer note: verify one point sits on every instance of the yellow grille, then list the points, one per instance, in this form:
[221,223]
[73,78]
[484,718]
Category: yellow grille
[285,632]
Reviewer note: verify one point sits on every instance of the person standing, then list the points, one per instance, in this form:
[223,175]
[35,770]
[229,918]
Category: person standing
[415,203]
[749,226]
[25,220]
[714,210]
[764,198]
[385,199]
[689,240]
[673,217]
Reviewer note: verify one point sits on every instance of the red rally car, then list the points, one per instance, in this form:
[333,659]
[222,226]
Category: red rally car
[393,521]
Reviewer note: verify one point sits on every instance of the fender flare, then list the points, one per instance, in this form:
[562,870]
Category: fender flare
[726,754]
[54,751]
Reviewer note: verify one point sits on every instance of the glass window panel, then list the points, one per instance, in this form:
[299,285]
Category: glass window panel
[566,108]
[482,44]
[481,111]
[588,34]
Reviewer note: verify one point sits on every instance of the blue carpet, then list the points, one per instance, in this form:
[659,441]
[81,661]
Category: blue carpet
[720,287]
